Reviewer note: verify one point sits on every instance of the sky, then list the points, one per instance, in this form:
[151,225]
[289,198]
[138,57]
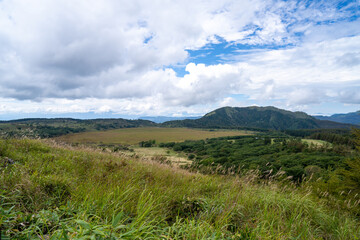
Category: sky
[117,58]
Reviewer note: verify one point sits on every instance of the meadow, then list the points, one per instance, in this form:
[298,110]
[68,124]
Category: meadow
[52,191]
[315,142]
[163,155]
[133,136]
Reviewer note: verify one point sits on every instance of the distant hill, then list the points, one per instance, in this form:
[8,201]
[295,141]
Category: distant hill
[257,118]
[89,122]
[52,127]
[351,118]
[252,118]
[161,119]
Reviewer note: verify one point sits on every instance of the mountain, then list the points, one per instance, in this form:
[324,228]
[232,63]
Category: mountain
[252,118]
[161,119]
[257,118]
[351,118]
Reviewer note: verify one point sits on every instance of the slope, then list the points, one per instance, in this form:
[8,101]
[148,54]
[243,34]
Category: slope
[256,117]
[56,192]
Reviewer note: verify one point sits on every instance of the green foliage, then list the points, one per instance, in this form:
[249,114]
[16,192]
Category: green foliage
[185,208]
[52,192]
[335,136]
[260,152]
[349,176]
[149,143]
[339,185]
[267,140]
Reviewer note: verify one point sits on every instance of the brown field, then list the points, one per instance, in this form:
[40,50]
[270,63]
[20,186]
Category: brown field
[135,135]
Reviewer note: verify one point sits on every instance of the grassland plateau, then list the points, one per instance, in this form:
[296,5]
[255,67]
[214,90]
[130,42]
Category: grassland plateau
[133,136]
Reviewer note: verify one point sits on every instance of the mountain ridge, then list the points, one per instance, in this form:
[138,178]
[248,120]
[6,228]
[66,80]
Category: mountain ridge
[351,118]
[256,117]
[250,118]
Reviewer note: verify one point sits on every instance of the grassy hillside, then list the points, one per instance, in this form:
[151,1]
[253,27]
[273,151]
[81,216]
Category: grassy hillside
[135,135]
[256,118]
[56,192]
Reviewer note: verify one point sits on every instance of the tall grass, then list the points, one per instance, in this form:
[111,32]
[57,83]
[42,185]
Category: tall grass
[58,192]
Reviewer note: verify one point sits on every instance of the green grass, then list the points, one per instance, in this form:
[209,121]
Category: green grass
[135,135]
[58,192]
[315,142]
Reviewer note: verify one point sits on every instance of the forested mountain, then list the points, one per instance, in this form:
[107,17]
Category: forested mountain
[257,118]
[352,118]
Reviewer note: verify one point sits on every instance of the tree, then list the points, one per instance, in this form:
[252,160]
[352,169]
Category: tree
[351,174]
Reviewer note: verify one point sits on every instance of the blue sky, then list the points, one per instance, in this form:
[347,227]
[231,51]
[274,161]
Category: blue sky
[185,58]
[223,52]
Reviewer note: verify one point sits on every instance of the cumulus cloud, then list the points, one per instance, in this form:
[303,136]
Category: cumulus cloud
[308,74]
[119,55]
[74,50]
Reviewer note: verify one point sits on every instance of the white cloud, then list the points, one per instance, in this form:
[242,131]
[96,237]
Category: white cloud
[101,56]
[232,102]
[77,50]
[308,74]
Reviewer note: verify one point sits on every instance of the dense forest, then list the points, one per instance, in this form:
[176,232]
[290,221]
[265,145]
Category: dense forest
[293,156]
[330,166]
[336,136]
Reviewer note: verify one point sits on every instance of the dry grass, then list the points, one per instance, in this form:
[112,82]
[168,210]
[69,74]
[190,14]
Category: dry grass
[135,135]
[162,155]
